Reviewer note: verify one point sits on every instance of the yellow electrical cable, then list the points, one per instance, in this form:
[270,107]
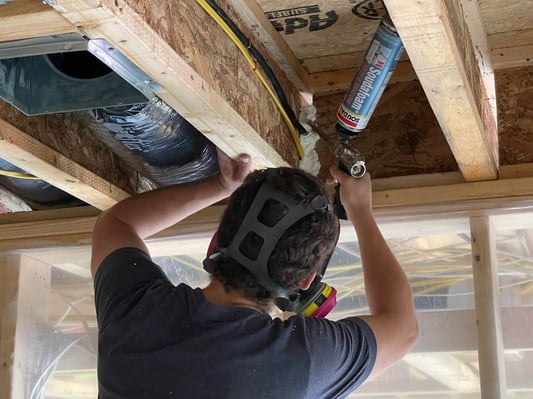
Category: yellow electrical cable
[218,19]
[18,175]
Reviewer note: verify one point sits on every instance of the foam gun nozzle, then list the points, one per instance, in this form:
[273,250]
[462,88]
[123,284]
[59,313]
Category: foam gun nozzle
[351,160]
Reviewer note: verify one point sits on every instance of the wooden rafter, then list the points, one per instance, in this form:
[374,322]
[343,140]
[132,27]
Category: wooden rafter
[9,283]
[202,74]
[324,83]
[442,50]
[488,312]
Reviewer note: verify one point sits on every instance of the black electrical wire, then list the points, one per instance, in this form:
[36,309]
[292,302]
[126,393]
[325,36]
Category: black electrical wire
[262,62]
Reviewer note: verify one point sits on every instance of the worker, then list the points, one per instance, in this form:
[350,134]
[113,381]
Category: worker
[157,340]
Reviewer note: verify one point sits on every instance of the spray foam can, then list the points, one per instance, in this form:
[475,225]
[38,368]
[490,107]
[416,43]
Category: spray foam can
[370,80]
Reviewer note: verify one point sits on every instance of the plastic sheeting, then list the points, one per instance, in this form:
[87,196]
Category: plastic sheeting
[157,141]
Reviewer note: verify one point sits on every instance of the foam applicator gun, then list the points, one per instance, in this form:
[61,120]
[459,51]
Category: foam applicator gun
[351,162]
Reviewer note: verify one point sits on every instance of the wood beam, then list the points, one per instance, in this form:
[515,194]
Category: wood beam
[25,19]
[25,152]
[9,282]
[60,228]
[512,57]
[488,319]
[443,52]
[453,193]
[31,324]
[202,73]
[73,227]
[337,81]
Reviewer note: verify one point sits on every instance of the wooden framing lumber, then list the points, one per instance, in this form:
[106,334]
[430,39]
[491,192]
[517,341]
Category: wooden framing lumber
[255,18]
[202,74]
[442,50]
[488,319]
[452,193]
[9,282]
[31,324]
[25,285]
[35,158]
[512,57]
[73,227]
[25,19]
[325,83]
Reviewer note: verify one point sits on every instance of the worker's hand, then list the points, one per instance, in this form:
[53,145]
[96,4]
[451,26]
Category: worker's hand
[355,194]
[233,171]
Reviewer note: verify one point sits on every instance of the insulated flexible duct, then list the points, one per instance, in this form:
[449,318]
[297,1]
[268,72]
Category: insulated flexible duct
[37,193]
[157,141]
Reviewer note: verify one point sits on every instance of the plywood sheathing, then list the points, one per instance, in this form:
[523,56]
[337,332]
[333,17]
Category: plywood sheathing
[515,114]
[324,35]
[333,35]
[402,138]
[70,135]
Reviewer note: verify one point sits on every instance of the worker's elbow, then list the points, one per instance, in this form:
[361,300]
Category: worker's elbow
[102,218]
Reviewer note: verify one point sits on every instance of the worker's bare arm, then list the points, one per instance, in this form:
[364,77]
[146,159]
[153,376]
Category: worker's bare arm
[392,315]
[130,221]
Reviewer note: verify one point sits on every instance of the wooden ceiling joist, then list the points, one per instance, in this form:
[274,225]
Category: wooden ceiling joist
[25,19]
[202,74]
[324,83]
[278,48]
[25,152]
[445,57]
[73,227]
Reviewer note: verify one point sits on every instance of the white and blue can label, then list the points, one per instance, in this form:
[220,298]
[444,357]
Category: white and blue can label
[370,80]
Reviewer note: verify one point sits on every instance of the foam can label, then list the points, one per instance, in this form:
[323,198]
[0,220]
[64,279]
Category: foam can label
[371,79]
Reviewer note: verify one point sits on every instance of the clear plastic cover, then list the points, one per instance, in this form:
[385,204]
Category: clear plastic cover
[436,258]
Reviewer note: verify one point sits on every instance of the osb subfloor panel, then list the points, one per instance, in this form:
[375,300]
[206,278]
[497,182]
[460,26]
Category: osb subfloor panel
[327,35]
[514,89]
[402,138]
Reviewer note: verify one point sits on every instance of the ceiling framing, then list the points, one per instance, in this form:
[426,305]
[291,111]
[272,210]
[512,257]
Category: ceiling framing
[452,47]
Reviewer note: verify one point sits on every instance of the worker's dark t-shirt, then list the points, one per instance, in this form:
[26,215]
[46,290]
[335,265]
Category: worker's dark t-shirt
[157,340]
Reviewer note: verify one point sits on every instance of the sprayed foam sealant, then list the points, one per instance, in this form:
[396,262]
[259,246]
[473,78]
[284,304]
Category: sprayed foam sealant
[310,162]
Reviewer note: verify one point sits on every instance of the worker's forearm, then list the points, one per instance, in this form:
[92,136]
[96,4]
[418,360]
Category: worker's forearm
[386,285]
[153,211]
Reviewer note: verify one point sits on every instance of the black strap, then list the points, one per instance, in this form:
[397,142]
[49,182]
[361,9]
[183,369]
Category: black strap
[270,235]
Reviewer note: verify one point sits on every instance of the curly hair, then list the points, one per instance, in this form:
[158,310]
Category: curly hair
[305,247]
